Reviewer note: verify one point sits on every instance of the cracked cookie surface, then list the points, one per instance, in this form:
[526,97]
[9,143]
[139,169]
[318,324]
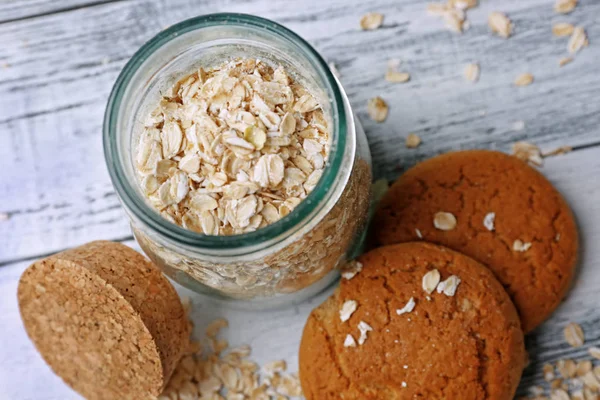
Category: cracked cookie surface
[529,239]
[467,346]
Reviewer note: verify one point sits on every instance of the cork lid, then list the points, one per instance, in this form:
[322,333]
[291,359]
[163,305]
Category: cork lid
[105,319]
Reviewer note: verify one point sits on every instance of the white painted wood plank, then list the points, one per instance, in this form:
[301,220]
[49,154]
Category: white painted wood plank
[11,10]
[62,67]
[276,334]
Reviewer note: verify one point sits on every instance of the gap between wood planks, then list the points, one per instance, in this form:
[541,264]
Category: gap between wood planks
[60,10]
[130,237]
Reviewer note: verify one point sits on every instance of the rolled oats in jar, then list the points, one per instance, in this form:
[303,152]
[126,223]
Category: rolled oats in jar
[237,157]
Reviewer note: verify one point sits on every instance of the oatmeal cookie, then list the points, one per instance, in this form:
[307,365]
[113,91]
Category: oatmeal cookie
[496,209]
[420,321]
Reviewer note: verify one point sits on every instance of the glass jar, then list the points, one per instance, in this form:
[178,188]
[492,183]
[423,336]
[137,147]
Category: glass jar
[284,262]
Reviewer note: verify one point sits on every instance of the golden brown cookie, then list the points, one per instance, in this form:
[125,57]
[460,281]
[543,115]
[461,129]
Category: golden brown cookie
[461,341]
[508,217]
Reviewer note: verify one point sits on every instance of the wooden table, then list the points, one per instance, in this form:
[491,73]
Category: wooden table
[59,59]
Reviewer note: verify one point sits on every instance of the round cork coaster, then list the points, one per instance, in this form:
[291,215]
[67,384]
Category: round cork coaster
[105,319]
[419,321]
[496,209]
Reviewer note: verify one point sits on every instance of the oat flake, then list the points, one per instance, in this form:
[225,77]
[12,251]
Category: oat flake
[472,72]
[574,335]
[444,221]
[377,109]
[565,6]
[371,21]
[347,310]
[350,270]
[410,305]
[488,221]
[412,141]
[500,24]
[525,79]
[431,280]
[527,152]
[521,246]
[577,41]
[594,352]
[564,61]
[349,341]
[562,29]
[449,286]
[363,327]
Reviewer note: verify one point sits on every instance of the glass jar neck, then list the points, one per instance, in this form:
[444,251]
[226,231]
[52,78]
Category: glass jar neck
[208,41]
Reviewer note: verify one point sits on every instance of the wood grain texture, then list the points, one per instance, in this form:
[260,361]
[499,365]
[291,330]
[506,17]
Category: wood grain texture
[57,68]
[52,96]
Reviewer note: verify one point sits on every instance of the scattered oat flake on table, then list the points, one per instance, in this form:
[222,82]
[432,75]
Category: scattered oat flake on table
[371,21]
[578,40]
[430,281]
[594,352]
[463,4]
[528,152]
[437,9]
[564,61]
[412,141]
[472,72]
[566,368]
[562,29]
[349,341]
[377,109]
[574,335]
[521,246]
[488,221]
[558,151]
[444,221]
[565,6]
[214,327]
[500,24]
[525,79]
[408,307]
[347,310]
[350,270]
[583,367]
[393,76]
[455,20]
[363,328]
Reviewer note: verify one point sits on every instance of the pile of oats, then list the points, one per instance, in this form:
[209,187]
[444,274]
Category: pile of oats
[569,379]
[232,149]
[220,373]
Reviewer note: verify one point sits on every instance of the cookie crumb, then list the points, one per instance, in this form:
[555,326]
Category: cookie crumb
[418,233]
[412,141]
[430,281]
[349,341]
[371,21]
[363,327]
[594,352]
[444,221]
[350,270]
[449,286]
[393,76]
[500,24]
[488,221]
[472,72]
[347,310]
[574,335]
[525,79]
[521,246]
[410,305]
[377,109]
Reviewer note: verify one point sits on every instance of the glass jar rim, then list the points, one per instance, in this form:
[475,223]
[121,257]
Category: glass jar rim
[178,234]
